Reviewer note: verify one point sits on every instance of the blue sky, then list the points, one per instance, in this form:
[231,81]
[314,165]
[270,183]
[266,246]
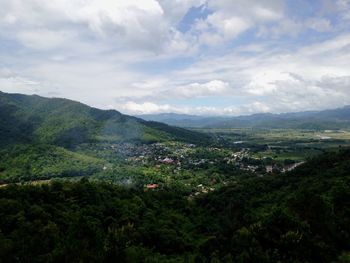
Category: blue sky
[205,57]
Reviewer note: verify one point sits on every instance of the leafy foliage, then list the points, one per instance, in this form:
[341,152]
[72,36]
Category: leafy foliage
[302,216]
[28,162]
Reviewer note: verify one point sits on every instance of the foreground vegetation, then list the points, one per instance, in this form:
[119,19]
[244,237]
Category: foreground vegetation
[302,216]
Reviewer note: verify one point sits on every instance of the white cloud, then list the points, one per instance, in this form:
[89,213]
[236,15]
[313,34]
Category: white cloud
[145,108]
[287,27]
[265,83]
[43,39]
[228,27]
[230,18]
[267,14]
[165,89]
[11,81]
[175,10]
[312,77]
[319,24]
[135,108]
[127,24]
[131,54]
[195,90]
[258,10]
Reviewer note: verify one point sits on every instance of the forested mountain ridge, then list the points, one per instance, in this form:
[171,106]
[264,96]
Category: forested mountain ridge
[302,216]
[67,123]
[318,120]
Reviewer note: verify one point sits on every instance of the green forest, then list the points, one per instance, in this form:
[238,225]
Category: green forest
[300,216]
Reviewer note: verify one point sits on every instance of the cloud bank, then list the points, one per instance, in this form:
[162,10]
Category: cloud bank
[210,57]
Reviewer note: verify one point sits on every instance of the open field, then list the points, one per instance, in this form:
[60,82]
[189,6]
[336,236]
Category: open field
[282,144]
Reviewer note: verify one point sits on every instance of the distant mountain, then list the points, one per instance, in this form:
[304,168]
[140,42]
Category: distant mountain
[328,119]
[67,123]
[180,120]
[169,116]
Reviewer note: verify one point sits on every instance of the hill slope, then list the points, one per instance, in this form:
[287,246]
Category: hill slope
[67,123]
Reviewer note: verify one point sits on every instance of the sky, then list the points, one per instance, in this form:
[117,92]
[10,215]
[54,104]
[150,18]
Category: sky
[202,57]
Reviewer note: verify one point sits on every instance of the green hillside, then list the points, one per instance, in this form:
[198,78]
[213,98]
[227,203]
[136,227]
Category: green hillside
[67,123]
[39,136]
[29,162]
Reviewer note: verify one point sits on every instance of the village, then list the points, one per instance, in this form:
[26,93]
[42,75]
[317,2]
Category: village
[180,157]
[191,156]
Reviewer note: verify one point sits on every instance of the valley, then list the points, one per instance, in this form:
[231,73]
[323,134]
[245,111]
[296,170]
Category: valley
[78,183]
[231,155]
[260,152]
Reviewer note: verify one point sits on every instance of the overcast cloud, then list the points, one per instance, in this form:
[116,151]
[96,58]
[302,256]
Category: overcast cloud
[210,57]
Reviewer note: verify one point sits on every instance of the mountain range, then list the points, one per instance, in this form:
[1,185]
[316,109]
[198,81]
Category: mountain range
[314,120]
